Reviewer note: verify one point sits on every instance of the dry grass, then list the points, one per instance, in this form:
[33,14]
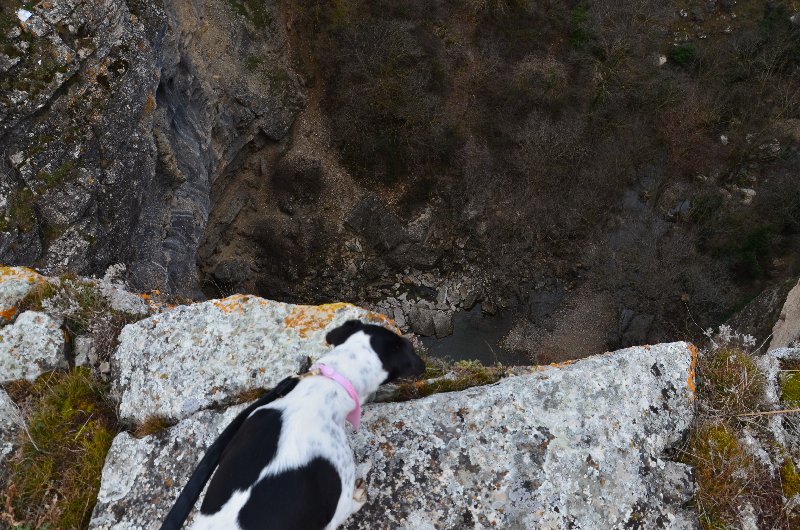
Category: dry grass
[55,473]
[729,475]
[151,425]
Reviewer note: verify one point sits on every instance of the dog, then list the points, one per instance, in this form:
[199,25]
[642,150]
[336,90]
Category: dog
[289,466]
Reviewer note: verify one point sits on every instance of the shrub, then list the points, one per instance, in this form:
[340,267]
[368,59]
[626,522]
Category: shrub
[683,54]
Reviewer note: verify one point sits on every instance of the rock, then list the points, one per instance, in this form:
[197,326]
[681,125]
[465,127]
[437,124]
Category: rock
[442,323]
[760,315]
[84,351]
[373,221]
[8,429]
[582,446]
[192,357]
[121,300]
[633,328]
[152,471]
[420,319]
[118,166]
[15,284]
[441,294]
[787,329]
[30,346]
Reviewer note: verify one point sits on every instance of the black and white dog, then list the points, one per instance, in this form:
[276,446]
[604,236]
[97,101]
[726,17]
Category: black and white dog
[289,466]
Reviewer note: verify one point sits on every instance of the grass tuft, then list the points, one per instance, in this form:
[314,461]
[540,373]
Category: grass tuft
[151,425]
[443,378]
[790,479]
[55,474]
[730,477]
[731,382]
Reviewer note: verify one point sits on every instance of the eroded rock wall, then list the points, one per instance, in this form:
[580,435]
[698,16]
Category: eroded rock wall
[117,117]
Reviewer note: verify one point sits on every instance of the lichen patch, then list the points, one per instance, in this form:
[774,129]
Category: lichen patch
[307,319]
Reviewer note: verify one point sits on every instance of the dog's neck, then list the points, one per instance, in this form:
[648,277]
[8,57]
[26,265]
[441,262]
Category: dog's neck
[358,363]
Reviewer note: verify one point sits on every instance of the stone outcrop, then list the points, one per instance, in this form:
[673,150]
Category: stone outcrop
[31,345]
[583,445]
[787,329]
[15,283]
[192,357]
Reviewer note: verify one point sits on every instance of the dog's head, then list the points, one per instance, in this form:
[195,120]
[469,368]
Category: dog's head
[395,352]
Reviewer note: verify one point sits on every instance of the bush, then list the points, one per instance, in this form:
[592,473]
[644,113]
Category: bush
[683,54]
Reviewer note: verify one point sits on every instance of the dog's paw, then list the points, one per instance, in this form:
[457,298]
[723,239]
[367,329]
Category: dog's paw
[359,498]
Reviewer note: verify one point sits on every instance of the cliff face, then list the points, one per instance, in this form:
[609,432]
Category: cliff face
[539,158]
[118,118]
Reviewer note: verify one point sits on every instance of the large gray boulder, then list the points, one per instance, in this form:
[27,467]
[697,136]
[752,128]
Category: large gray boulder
[192,357]
[584,445]
[30,346]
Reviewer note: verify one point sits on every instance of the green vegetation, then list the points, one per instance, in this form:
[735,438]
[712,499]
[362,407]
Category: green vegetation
[724,472]
[790,479]
[790,389]
[442,377]
[20,211]
[55,474]
[59,174]
[683,54]
[728,473]
[253,10]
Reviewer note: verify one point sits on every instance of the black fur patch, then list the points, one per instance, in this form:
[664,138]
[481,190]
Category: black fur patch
[339,335]
[188,496]
[395,352]
[249,452]
[303,498]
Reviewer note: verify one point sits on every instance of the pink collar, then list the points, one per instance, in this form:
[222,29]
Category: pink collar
[354,416]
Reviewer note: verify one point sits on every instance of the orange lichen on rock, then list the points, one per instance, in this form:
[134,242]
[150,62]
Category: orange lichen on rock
[561,364]
[692,371]
[306,319]
[20,273]
[383,320]
[231,304]
[8,314]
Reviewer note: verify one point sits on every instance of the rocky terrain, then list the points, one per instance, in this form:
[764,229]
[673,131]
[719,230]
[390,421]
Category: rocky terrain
[515,182]
[609,441]
[553,446]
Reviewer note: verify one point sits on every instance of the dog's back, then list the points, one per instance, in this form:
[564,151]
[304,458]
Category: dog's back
[286,468]
[289,466]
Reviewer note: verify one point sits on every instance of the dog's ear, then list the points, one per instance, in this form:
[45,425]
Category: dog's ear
[338,335]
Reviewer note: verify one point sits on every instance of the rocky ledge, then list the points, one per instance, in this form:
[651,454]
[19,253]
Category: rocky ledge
[584,445]
[587,444]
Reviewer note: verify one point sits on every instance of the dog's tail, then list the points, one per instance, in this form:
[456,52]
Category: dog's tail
[186,500]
